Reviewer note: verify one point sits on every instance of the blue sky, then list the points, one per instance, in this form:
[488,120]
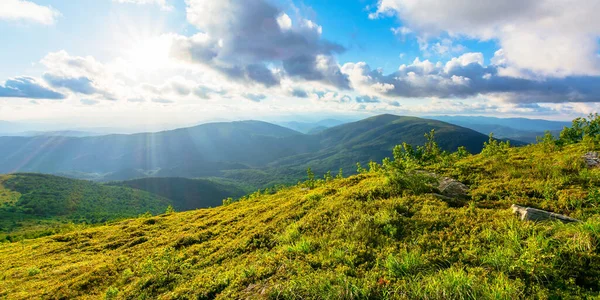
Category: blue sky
[127,62]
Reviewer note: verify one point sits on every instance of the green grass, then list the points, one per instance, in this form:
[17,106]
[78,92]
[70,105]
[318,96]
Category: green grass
[368,236]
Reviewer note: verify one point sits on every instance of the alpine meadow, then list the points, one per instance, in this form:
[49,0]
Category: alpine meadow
[299,149]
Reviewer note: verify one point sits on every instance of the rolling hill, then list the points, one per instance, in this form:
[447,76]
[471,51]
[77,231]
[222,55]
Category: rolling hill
[28,200]
[373,139]
[385,233]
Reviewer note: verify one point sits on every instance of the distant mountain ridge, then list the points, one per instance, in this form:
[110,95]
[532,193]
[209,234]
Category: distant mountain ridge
[214,149]
[311,128]
[520,129]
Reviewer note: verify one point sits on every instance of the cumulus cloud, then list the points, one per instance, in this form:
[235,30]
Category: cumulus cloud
[248,40]
[81,85]
[62,62]
[547,37]
[467,76]
[27,87]
[22,10]
[83,75]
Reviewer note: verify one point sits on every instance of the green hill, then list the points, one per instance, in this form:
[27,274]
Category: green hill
[29,202]
[390,232]
[372,139]
[187,194]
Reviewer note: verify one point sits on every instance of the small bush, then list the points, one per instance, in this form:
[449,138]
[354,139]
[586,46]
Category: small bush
[33,271]
[111,293]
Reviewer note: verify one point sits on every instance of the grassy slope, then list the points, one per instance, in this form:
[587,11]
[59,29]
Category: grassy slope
[29,203]
[349,238]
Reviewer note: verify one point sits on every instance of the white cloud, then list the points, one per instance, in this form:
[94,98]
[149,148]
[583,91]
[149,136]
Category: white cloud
[546,37]
[401,31]
[466,77]
[253,41]
[162,3]
[463,61]
[284,22]
[21,10]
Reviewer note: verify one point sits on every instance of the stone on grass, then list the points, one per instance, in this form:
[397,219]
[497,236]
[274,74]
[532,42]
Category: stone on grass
[591,159]
[536,215]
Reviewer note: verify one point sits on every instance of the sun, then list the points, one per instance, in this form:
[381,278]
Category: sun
[151,53]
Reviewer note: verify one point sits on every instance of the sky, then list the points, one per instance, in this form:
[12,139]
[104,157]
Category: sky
[178,62]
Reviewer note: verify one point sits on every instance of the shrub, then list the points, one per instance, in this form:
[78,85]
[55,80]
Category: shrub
[311,182]
[227,201]
[493,147]
[580,129]
[111,293]
[33,271]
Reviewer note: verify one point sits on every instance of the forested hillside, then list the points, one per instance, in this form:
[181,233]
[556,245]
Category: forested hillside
[424,224]
[32,203]
[372,139]
[187,194]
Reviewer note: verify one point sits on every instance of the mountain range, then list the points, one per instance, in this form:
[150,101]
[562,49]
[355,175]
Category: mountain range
[226,149]
[520,129]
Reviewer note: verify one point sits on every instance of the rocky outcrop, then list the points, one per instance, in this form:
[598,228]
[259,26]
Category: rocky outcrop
[453,188]
[591,159]
[534,214]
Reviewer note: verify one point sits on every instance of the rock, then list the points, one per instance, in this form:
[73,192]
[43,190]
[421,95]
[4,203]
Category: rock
[453,188]
[591,159]
[534,214]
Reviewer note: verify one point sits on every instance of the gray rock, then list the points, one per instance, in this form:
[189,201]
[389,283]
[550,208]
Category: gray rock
[534,214]
[453,188]
[591,159]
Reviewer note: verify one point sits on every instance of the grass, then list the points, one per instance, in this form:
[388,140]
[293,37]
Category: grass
[361,237]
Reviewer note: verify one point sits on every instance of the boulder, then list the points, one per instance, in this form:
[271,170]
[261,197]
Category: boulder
[453,188]
[591,159]
[536,215]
